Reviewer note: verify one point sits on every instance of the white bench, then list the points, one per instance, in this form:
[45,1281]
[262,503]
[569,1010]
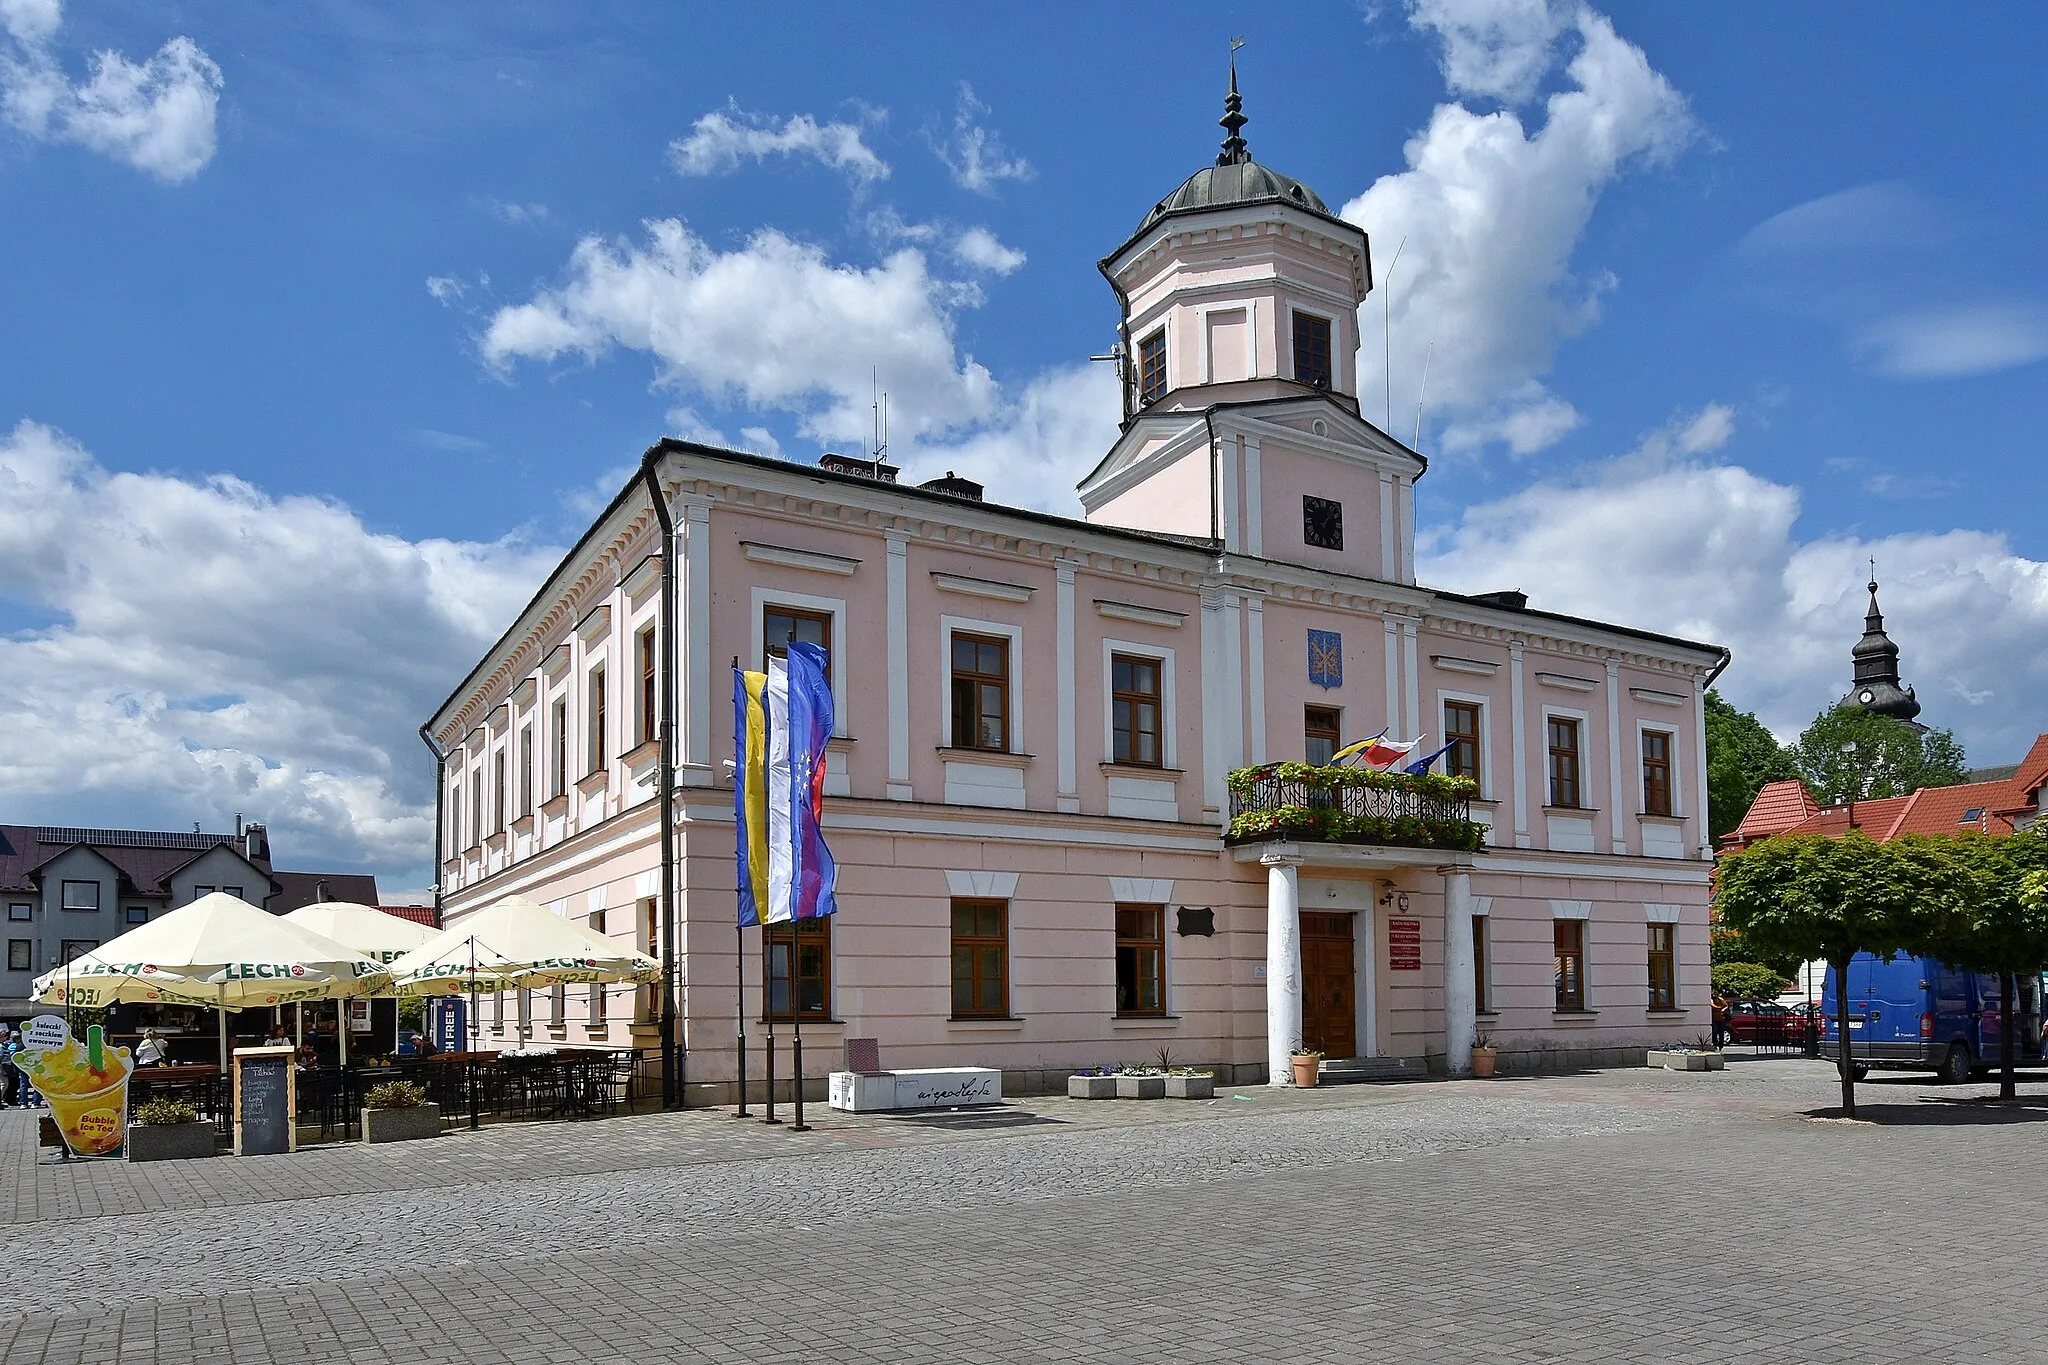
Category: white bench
[939,1087]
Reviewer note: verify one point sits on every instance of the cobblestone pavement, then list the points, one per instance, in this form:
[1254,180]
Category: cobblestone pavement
[1632,1215]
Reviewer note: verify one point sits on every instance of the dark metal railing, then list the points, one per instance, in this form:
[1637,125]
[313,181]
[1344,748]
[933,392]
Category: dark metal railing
[1335,805]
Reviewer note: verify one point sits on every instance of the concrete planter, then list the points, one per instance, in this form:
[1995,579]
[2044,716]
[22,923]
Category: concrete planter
[402,1125]
[170,1141]
[1141,1087]
[1091,1087]
[1191,1087]
[1688,1061]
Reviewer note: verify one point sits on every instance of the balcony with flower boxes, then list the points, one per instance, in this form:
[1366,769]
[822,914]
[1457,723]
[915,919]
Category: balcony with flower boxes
[1302,803]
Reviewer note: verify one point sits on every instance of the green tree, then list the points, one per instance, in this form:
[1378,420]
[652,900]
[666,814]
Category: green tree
[1741,756]
[1810,896]
[1975,893]
[1849,754]
[1726,946]
[1746,980]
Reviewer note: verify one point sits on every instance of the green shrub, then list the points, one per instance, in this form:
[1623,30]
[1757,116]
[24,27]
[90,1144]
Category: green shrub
[1746,981]
[165,1114]
[395,1095]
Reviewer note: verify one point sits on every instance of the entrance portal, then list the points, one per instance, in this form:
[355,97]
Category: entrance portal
[1329,1004]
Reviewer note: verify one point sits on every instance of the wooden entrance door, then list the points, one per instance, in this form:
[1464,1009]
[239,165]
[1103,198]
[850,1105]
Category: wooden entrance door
[1329,1004]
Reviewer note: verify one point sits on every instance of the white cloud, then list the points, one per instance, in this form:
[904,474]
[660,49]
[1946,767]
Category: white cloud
[1034,451]
[774,324]
[1491,212]
[720,140]
[978,247]
[216,649]
[157,115]
[1530,421]
[974,153]
[1945,343]
[518,215]
[1666,540]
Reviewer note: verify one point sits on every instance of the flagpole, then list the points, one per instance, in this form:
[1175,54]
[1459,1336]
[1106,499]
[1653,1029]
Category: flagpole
[796,1013]
[768,1009]
[739,935]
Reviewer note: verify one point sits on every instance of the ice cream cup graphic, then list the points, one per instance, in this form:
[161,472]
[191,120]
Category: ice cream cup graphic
[87,1103]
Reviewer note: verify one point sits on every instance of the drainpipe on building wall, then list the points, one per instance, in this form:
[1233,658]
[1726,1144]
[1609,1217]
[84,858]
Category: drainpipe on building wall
[665,783]
[1215,476]
[440,796]
[1727,658]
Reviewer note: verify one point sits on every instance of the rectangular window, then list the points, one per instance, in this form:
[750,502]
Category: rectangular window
[20,955]
[81,895]
[498,1011]
[981,692]
[812,940]
[497,790]
[198,891]
[1461,732]
[455,819]
[476,804]
[234,891]
[650,714]
[981,959]
[558,720]
[1152,366]
[597,1005]
[781,625]
[138,914]
[1141,959]
[558,1006]
[1656,772]
[1570,936]
[1479,969]
[598,756]
[1134,710]
[1312,350]
[1320,732]
[74,948]
[1663,968]
[21,911]
[1564,761]
[529,778]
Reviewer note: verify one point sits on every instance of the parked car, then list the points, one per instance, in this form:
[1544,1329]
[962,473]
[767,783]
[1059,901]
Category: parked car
[1766,1022]
[1918,1014]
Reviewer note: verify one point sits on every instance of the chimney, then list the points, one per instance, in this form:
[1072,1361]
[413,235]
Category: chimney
[256,845]
[238,824]
[878,470]
[321,893]
[953,486]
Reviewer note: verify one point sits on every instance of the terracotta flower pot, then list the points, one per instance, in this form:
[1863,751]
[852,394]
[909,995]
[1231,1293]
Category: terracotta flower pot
[1482,1061]
[1306,1069]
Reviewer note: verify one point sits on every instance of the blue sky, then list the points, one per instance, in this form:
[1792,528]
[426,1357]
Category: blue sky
[330,321]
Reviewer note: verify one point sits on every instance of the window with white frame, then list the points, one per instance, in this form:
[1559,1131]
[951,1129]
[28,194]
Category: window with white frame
[1138,704]
[1565,760]
[595,710]
[1659,751]
[81,895]
[982,664]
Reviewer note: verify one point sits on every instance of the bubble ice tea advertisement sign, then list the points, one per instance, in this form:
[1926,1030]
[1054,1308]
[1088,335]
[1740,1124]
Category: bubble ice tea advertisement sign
[85,1084]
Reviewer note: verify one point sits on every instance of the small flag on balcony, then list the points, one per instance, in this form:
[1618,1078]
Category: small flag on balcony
[1423,765]
[1356,748]
[1384,752]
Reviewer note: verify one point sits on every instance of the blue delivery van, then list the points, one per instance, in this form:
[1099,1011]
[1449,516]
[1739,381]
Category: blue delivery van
[1917,1014]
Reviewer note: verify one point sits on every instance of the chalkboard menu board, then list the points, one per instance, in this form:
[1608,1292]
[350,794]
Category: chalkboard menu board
[264,1101]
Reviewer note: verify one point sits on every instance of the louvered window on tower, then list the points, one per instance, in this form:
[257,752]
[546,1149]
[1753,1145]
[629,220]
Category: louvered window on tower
[1312,350]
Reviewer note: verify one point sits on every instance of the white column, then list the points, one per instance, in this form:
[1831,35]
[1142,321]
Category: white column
[693,528]
[1405,501]
[1699,812]
[1219,698]
[1411,690]
[1518,711]
[1069,796]
[898,576]
[1614,787]
[1390,533]
[1393,643]
[1461,1003]
[1226,475]
[1255,628]
[1283,965]
[1254,500]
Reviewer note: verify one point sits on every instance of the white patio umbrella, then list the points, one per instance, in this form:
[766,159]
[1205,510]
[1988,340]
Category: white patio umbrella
[219,951]
[367,930]
[514,944]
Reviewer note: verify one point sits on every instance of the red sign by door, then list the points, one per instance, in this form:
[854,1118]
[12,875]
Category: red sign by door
[1404,945]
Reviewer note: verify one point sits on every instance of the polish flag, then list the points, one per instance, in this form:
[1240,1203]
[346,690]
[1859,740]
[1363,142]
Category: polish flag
[1381,752]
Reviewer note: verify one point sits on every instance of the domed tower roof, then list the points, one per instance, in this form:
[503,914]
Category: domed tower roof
[1876,661]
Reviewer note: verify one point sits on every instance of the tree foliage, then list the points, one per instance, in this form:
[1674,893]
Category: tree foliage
[1725,945]
[1741,756]
[1746,981]
[1849,754]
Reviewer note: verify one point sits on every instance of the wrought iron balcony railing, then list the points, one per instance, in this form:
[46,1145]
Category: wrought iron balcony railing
[1301,802]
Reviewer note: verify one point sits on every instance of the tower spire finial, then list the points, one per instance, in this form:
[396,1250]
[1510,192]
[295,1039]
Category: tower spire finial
[1235,151]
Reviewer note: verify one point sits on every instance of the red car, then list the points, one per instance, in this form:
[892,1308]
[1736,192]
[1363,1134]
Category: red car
[1770,1024]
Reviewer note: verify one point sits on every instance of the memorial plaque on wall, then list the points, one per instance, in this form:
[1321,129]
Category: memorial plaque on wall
[265,1101]
[1404,945]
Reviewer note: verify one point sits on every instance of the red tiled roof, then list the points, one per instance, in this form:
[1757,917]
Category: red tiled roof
[1777,808]
[1872,817]
[2033,771]
[418,914]
[1940,810]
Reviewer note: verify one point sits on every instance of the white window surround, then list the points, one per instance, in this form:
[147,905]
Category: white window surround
[789,557]
[948,626]
[1148,616]
[1166,353]
[1580,910]
[1243,311]
[1653,697]
[981,885]
[993,589]
[1677,789]
[594,662]
[1336,343]
[1169,742]
[1586,793]
[1451,663]
[1487,791]
[1566,682]
[1660,914]
[835,607]
[1141,890]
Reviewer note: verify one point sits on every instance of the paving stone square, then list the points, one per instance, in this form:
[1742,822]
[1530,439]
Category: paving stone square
[1629,1215]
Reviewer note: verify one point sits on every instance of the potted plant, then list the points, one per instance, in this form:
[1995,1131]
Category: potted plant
[1141,1083]
[1700,1055]
[1186,1083]
[1095,1083]
[1484,1055]
[1307,1064]
[397,1111]
[169,1130]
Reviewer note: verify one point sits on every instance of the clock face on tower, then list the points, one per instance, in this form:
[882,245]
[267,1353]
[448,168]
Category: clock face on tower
[1866,696]
[1322,522]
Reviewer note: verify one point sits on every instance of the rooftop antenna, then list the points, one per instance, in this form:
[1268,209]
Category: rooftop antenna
[1387,327]
[881,410]
[1416,444]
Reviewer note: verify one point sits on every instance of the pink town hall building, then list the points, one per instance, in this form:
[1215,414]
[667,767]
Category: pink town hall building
[1030,790]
